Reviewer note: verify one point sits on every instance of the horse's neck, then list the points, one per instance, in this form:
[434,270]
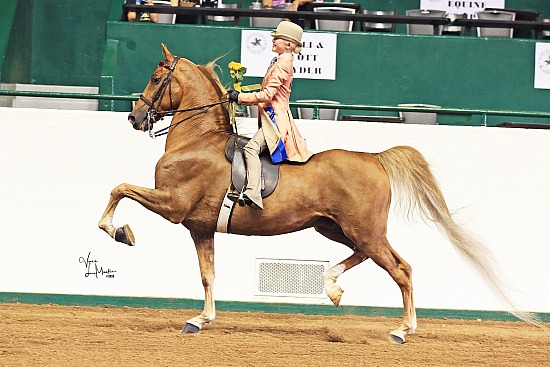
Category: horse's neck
[187,127]
[200,89]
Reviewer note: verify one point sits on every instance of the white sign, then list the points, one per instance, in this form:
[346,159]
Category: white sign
[316,61]
[542,65]
[461,6]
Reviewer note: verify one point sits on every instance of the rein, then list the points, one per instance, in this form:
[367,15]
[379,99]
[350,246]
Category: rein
[164,130]
[152,112]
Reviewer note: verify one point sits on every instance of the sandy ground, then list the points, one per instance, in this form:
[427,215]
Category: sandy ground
[40,335]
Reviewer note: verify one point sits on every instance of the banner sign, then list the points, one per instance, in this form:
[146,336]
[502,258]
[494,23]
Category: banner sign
[461,6]
[542,65]
[316,61]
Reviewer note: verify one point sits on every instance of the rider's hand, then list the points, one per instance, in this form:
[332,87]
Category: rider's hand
[233,95]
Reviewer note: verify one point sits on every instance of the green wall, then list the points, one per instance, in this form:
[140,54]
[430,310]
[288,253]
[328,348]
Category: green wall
[56,42]
[7,16]
[64,42]
[16,51]
[373,69]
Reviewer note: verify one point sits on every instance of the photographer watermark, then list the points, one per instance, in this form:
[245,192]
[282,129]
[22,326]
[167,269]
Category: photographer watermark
[94,268]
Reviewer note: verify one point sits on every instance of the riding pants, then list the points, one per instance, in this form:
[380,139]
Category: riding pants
[252,151]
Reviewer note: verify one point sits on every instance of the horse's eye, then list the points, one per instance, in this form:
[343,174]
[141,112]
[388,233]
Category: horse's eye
[155,80]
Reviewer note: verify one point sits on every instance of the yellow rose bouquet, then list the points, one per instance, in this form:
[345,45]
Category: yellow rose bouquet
[237,71]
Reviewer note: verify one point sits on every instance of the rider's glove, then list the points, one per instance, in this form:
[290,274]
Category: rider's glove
[233,95]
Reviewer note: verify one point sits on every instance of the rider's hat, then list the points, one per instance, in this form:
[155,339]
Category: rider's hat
[290,32]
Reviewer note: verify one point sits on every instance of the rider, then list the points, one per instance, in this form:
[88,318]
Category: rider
[277,131]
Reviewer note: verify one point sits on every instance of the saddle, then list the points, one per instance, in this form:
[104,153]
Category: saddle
[235,154]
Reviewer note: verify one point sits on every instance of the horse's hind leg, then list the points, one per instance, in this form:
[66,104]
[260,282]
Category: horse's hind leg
[335,233]
[386,257]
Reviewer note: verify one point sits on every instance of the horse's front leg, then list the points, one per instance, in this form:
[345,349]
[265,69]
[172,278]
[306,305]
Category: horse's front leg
[157,201]
[205,251]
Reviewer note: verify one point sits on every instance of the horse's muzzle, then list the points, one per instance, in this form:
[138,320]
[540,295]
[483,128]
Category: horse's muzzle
[138,123]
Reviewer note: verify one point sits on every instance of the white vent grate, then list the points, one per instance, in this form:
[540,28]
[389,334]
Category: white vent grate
[295,278]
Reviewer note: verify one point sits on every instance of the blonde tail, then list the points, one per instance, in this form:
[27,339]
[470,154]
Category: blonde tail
[418,191]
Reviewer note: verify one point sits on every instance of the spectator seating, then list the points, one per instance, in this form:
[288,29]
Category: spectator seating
[424,28]
[378,27]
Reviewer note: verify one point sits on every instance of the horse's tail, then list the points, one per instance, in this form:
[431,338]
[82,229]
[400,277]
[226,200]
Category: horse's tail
[418,190]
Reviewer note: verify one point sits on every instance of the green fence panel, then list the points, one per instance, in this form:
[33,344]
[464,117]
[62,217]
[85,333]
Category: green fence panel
[56,42]
[61,42]
[372,69]
[7,16]
[68,41]
[16,65]
[108,77]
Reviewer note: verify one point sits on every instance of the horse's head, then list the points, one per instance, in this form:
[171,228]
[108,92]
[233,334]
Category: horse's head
[180,86]
[160,95]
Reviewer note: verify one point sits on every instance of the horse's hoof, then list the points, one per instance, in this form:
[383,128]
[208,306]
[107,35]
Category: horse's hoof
[190,329]
[125,235]
[335,295]
[397,337]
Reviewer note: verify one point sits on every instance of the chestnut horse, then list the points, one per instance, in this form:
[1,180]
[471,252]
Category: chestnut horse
[344,195]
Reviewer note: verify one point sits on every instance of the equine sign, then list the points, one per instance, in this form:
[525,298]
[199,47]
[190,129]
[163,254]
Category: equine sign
[316,61]
[461,6]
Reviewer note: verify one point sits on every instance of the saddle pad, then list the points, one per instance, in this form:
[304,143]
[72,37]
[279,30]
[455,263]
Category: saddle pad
[235,154]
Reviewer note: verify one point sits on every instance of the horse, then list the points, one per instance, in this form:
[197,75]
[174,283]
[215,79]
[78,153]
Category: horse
[192,178]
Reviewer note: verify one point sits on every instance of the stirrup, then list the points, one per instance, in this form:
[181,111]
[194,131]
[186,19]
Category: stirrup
[238,198]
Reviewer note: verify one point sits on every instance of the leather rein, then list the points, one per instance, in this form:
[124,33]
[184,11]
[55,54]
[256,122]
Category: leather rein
[153,114]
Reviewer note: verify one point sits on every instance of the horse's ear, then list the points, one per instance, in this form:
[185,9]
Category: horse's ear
[167,55]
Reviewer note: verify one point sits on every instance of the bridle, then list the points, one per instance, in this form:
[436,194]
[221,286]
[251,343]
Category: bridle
[153,114]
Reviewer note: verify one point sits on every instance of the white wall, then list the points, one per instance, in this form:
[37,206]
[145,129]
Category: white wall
[57,169]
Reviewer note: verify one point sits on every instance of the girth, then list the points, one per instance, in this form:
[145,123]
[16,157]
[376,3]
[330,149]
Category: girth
[235,154]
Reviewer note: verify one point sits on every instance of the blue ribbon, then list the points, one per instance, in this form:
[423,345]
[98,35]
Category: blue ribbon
[279,154]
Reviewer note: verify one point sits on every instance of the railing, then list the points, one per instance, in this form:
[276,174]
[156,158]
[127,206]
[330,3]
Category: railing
[484,113]
[26,93]
[293,15]
[468,24]
[537,26]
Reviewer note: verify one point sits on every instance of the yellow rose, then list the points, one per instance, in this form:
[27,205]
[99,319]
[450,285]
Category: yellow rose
[236,66]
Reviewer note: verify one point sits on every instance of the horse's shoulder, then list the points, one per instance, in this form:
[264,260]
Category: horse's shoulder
[188,155]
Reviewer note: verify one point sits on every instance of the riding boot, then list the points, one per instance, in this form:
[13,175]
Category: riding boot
[252,152]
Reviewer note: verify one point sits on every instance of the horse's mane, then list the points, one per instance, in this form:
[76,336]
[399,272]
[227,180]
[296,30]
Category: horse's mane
[210,68]
[209,71]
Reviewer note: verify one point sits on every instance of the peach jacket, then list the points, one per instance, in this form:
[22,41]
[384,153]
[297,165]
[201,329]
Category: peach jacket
[275,92]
